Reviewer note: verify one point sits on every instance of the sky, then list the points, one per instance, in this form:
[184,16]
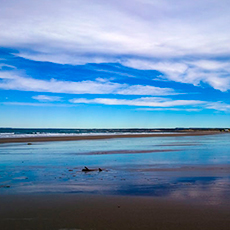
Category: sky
[114,64]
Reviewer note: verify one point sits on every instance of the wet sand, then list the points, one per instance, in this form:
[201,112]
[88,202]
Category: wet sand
[78,211]
[98,137]
[93,212]
[188,205]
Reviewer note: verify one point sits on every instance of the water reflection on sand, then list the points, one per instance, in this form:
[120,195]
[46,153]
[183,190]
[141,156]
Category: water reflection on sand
[184,168]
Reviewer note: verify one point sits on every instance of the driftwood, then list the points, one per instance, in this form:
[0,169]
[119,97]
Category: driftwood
[90,170]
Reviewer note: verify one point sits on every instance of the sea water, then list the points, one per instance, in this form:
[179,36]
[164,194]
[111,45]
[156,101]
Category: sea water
[176,166]
[23,132]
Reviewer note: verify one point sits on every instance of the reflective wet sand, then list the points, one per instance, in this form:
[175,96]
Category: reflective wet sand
[178,182]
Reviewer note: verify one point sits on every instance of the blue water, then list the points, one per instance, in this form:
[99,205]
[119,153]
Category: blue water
[51,167]
[23,132]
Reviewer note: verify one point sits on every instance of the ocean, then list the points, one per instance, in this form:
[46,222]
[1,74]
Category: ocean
[17,132]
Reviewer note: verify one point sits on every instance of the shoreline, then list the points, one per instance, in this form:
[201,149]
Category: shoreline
[101,137]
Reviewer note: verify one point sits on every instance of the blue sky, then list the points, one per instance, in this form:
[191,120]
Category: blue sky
[114,64]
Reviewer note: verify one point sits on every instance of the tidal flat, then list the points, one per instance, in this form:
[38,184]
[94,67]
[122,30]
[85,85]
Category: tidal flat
[170,182]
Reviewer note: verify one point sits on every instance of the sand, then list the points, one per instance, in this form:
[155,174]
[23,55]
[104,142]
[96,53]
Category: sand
[95,212]
[98,137]
[75,211]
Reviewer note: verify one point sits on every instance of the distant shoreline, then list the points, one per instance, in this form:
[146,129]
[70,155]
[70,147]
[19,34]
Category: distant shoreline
[101,137]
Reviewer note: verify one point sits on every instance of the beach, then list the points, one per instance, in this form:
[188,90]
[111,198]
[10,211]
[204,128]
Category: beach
[86,212]
[114,115]
[165,181]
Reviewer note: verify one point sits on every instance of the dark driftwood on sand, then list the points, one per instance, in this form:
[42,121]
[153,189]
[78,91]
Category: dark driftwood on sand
[90,170]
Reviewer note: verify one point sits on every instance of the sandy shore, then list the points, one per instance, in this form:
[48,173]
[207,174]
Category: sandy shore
[98,137]
[92,212]
[188,205]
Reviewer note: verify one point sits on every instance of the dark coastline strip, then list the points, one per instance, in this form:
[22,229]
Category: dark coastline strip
[99,137]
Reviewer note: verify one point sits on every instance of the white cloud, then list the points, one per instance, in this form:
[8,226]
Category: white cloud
[79,32]
[169,109]
[214,73]
[6,65]
[13,81]
[220,106]
[68,58]
[158,104]
[145,90]
[143,101]
[165,67]
[134,27]
[211,65]
[45,98]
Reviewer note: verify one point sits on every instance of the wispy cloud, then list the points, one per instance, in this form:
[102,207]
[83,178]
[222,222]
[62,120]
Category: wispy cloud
[13,81]
[143,101]
[45,98]
[161,28]
[158,104]
[142,34]
[220,106]
[2,65]
[145,90]
[214,73]
[169,109]
[141,104]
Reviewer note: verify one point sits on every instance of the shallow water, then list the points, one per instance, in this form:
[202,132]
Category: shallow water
[191,167]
